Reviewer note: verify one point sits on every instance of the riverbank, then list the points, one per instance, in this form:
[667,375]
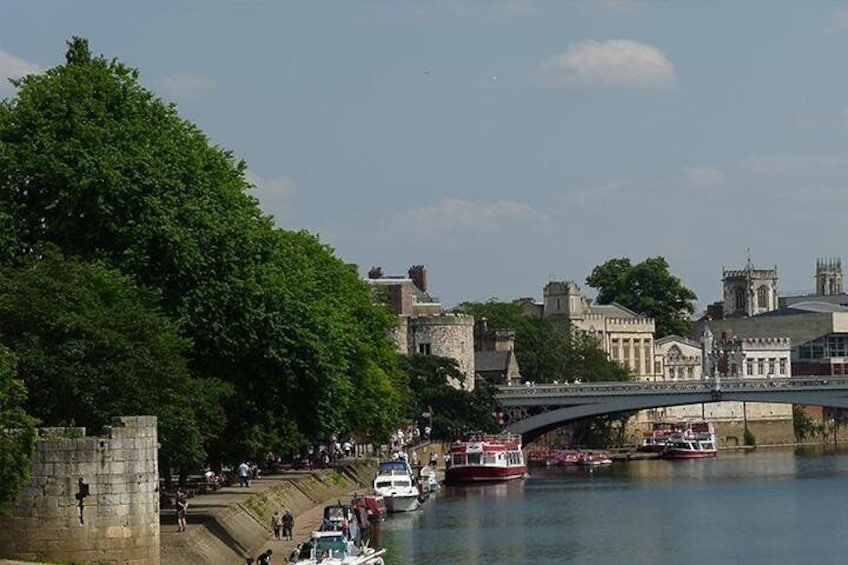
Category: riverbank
[226,525]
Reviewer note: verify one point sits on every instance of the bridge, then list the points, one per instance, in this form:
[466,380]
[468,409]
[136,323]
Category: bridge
[536,409]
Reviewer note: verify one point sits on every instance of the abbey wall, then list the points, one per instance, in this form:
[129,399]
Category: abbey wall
[90,499]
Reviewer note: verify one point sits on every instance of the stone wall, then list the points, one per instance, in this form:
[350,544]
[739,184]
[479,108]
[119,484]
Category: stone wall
[117,522]
[447,335]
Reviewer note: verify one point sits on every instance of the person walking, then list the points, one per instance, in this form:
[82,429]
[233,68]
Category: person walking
[277,525]
[288,525]
[244,474]
[182,508]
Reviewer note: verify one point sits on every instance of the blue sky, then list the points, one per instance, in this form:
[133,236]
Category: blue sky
[506,143]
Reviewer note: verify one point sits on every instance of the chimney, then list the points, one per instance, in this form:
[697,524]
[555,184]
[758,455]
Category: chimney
[375,273]
[418,274]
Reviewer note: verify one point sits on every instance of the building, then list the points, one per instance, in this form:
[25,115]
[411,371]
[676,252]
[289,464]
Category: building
[627,337]
[749,291]
[494,355]
[424,328]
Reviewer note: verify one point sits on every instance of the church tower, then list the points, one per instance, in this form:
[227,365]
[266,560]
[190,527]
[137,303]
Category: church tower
[828,276]
[749,291]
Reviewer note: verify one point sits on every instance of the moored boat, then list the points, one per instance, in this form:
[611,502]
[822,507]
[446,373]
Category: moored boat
[594,459]
[398,485]
[656,440]
[486,457]
[696,441]
[333,548]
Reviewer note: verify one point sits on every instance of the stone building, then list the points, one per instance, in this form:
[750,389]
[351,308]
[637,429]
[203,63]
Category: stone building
[494,355]
[90,499]
[829,290]
[627,337]
[749,291]
[680,358]
[424,328]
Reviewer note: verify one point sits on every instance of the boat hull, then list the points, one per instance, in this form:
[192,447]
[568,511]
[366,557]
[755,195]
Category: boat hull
[402,503]
[472,474]
[687,454]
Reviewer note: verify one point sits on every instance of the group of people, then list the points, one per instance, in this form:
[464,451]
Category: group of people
[283,525]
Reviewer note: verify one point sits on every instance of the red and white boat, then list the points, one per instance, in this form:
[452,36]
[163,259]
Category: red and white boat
[696,441]
[486,457]
[655,441]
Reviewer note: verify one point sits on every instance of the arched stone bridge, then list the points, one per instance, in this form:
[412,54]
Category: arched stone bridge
[534,410]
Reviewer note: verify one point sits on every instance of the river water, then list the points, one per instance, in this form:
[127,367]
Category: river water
[769,506]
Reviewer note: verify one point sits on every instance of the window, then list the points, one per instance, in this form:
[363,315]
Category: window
[740,298]
[782,366]
[690,372]
[749,367]
[761,366]
[424,348]
[771,365]
[762,297]
[615,349]
[657,368]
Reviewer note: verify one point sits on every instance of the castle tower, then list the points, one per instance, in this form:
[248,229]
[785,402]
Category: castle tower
[749,291]
[828,276]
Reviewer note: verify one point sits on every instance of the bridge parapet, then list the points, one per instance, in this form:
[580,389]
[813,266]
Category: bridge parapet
[617,388]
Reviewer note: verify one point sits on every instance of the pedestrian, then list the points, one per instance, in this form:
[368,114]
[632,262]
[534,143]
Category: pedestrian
[288,525]
[277,525]
[295,554]
[244,474]
[182,508]
[265,558]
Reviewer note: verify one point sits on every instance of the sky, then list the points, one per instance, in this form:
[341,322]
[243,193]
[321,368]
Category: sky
[504,144]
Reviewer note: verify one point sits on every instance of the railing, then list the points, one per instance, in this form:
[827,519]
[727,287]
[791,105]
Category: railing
[668,387]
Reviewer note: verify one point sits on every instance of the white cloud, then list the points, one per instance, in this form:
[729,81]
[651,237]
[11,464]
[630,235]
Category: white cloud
[703,176]
[274,195]
[452,216]
[13,67]
[617,62]
[795,165]
[183,86]
[837,23]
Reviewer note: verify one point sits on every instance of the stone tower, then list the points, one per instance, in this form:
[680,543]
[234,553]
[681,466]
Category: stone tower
[749,291]
[828,276]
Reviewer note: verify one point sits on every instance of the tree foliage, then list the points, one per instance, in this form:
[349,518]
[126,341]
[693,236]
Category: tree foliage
[454,411]
[17,432]
[100,168]
[647,288]
[91,345]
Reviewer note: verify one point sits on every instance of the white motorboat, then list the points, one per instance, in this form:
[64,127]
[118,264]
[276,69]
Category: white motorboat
[398,485]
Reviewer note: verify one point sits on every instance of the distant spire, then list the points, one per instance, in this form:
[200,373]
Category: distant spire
[749,266]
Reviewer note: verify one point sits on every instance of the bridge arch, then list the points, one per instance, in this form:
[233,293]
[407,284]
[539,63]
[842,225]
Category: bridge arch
[547,407]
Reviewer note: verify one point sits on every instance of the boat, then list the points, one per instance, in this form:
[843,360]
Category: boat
[374,505]
[594,459]
[333,548]
[398,485]
[486,457]
[429,480]
[696,441]
[656,440]
[554,457]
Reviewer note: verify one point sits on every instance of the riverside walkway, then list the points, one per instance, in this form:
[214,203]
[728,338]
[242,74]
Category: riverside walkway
[226,525]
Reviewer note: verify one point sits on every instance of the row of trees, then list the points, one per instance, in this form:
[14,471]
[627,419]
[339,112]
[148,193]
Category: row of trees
[139,276]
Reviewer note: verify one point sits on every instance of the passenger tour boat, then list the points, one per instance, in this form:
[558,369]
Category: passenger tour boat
[696,441]
[656,440]
[486,457]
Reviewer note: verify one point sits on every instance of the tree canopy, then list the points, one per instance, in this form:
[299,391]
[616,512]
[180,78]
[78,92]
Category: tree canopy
[454,412]
[98,167]
[647,288]
[17,432]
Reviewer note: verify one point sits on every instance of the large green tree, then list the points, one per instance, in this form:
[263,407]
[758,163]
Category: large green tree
[647,288]
[91,345]
[101,168]
[17,432]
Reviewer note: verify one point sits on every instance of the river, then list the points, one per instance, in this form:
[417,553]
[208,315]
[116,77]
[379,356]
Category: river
[768,506]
